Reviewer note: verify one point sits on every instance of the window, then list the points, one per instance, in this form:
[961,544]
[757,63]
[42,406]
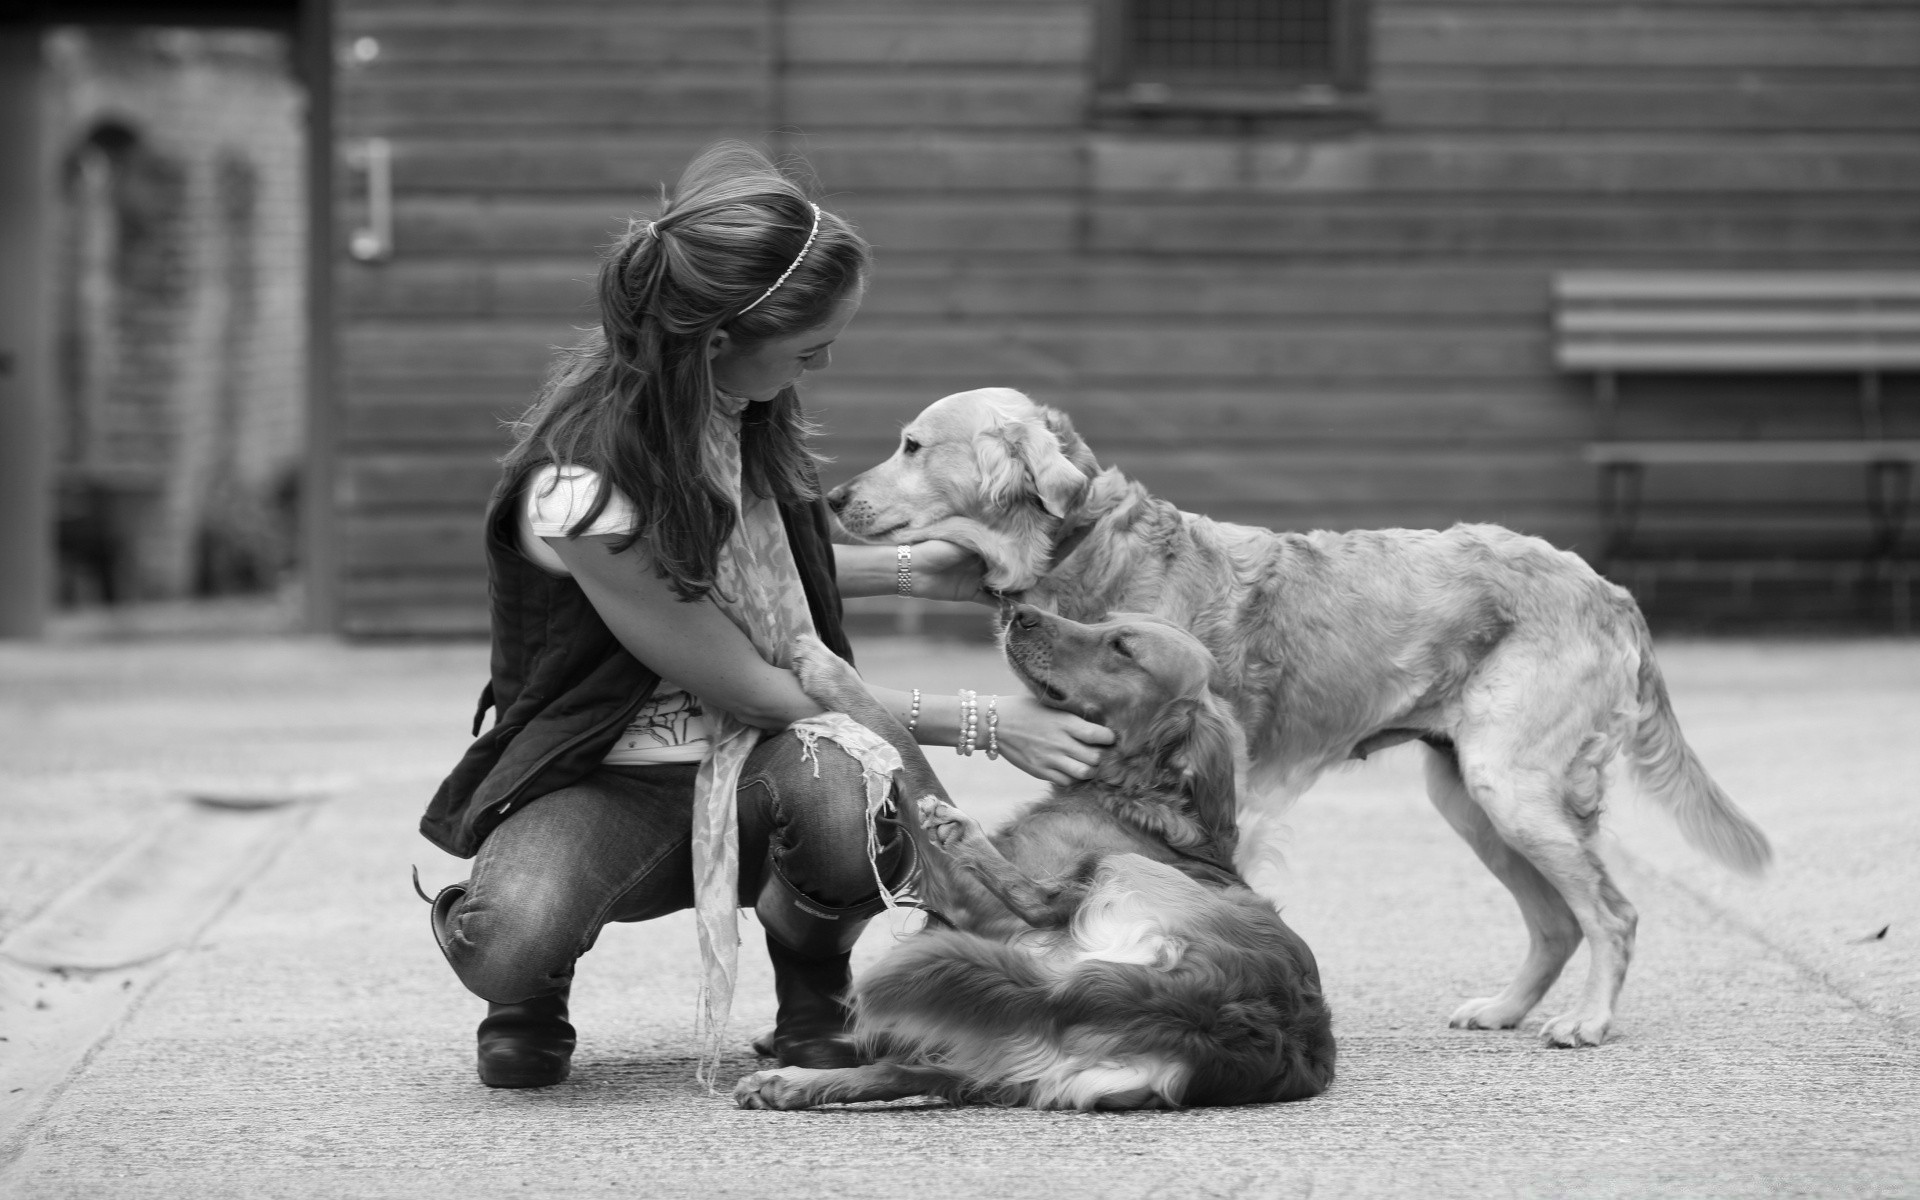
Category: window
[1249,57]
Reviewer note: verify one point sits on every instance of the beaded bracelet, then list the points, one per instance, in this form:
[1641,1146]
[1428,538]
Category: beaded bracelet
[993,727]
[969,722]
[913,714]
[903,569]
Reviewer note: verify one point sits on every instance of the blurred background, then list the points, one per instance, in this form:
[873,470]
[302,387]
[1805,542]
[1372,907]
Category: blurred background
[1642,279]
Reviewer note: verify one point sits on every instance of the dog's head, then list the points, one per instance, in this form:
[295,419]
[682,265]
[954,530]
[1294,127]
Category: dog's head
[1158,689]
[988,469]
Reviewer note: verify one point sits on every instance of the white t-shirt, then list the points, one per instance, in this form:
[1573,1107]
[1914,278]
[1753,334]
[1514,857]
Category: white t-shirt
[670,727]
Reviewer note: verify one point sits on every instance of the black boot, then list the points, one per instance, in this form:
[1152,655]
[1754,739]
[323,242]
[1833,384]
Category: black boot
[814,1028]
[811,945]
[529,1044]
[525,1045]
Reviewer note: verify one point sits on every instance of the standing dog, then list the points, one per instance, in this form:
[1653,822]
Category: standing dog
[1522,670]
[1102,952]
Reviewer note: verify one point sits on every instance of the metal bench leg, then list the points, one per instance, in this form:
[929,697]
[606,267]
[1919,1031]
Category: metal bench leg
[1889,496]
[1620,485]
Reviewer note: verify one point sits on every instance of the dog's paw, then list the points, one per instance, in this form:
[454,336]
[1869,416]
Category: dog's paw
[824,675]
[1575,1029]
[786,1089]
[1488,1012]
[945,825]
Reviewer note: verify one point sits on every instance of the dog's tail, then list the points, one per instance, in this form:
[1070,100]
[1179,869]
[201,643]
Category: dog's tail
[1668,770]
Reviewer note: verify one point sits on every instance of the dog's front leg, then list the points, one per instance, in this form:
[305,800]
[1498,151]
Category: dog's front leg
[973,856]
[790,1088]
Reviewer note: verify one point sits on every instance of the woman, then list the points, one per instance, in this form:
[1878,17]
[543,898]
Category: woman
[654,544]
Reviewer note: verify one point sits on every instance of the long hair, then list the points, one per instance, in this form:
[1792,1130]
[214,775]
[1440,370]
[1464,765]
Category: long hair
[632,400]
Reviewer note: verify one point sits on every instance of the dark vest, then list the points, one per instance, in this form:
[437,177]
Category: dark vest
[562,686]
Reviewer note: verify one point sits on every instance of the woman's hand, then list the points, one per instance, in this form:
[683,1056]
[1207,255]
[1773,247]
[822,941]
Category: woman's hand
[1045,742]
[949,571]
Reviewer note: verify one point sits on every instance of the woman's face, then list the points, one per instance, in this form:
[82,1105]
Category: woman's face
[762,371]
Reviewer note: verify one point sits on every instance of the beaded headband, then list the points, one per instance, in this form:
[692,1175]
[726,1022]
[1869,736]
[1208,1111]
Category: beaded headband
[798,259]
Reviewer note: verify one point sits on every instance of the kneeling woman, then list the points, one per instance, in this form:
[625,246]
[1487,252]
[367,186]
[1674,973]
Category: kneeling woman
[655,543]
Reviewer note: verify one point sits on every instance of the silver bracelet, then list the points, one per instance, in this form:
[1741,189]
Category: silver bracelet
[913,714]
[903,569]
[969,722]
[993,727]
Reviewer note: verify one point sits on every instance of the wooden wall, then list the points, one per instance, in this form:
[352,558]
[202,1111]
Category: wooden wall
[1292,326]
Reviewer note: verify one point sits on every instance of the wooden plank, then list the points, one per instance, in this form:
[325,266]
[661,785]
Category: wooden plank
[1812,326]
[1626,100]
[1201,478]
[641,159]
[924,284]
[863,419]
[1813,37]
[383,618]
[412,544]
[705,99]
[636,162]
[418,483]
[634,35]
[561,288]
[442,224]
[1745,286]
[1091,288]
[448,350]
[1035,286]
[366,391]
[974,354]
[821,99]
[1861,354]
[1147,354]
[1859,452]
[1387,162]
[988,35]
[1571,229]
[477,426]
[873,161]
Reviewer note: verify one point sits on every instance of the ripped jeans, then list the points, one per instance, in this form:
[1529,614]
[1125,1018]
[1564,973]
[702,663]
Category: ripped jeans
[615,847]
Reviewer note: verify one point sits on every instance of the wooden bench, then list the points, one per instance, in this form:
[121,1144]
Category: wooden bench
[1863,323]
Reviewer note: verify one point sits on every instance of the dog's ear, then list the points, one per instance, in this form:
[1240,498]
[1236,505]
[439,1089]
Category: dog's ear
[1196,740]
[1209,763]
[1072,445]
[1023,458]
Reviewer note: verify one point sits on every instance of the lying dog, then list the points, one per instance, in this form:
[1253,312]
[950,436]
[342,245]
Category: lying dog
[1522,670]
[1102,954]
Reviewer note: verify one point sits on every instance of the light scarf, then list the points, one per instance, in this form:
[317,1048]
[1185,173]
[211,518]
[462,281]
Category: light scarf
[757,585]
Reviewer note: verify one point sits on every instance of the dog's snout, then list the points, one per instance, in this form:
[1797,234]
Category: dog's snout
[1026,616]
[837,498]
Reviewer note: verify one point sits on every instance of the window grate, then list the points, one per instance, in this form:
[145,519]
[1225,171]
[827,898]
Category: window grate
[1232,38]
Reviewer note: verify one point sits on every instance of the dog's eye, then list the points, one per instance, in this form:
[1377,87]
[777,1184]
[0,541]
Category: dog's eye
[1121,648]
[908,446]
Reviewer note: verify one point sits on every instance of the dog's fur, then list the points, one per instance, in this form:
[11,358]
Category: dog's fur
[1102,952]
[1522,670]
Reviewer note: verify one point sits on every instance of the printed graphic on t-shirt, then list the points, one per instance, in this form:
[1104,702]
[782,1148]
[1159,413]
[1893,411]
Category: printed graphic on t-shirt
[672,721]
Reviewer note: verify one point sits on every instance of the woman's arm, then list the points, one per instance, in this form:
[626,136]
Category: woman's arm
[699,648]
[693,644]
[1044,742]
[941,571]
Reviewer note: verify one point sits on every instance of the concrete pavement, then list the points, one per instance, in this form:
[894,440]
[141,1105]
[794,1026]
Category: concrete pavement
[311,1044]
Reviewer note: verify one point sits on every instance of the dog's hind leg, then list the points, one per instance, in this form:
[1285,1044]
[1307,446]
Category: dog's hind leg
[790,1088]
[1552,932]
[1548,811]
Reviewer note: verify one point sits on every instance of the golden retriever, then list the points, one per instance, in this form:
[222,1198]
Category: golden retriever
[1521,669]
[1099,951]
